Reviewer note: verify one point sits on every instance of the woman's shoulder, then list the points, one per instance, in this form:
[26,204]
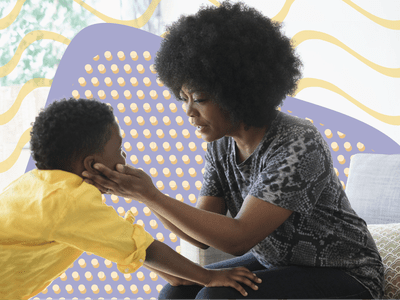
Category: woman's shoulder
[290,134]
[295,124]
[291,128]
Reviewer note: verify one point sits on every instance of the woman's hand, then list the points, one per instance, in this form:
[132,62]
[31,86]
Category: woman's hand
[232,278]
[127,182]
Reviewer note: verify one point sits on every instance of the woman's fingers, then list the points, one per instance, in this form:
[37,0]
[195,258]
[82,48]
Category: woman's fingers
[126,182]
[246,281]
[107,172]
[243,271]
[88,181]
[99,181]
[238,287]
[102,189]
[243,275]
[251,276]
[236,278]
[91,182]
[116,175]
[129,170]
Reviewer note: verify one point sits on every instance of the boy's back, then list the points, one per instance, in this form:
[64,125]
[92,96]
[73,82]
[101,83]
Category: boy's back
[47,219]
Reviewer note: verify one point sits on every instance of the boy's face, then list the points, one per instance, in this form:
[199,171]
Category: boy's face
[112,153]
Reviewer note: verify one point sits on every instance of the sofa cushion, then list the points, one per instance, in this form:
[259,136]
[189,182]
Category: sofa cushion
[373,187]
[387,239]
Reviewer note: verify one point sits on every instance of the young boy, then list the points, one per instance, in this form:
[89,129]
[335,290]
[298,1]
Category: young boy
[50,216]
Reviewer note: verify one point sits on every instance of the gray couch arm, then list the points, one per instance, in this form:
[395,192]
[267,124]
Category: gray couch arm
[203,257]
[373,187]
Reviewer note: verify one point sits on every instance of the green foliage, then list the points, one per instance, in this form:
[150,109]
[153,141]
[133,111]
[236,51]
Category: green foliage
[41,58]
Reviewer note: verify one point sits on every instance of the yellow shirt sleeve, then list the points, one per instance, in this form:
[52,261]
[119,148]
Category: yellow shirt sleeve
[89,225]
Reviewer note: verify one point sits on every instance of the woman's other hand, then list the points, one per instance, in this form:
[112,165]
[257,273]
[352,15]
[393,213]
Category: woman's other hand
[232,278]
[127,182]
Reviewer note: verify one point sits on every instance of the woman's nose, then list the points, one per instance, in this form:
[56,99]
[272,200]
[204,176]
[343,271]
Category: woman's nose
[190,110]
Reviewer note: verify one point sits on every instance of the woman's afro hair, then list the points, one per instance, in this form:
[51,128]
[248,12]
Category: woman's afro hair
[234,54]
[69,130]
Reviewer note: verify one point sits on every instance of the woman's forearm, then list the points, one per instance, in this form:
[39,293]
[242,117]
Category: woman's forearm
[179,232]
[172,280]
[205,227]
[162,258]
[209,228]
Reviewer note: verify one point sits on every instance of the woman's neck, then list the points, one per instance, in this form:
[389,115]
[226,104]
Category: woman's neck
[247,140]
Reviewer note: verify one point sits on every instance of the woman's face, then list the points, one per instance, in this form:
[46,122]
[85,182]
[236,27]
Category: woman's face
[206,115]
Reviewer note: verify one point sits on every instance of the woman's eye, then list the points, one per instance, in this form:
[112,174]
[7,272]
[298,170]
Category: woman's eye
[200,100]
[182,99]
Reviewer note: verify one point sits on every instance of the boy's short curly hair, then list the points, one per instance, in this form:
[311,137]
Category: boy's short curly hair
[69,130]
[236,55]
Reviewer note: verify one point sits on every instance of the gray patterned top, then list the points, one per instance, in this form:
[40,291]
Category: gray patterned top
[292,168]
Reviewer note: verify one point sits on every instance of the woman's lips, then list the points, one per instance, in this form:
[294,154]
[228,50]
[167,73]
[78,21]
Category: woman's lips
[199,127]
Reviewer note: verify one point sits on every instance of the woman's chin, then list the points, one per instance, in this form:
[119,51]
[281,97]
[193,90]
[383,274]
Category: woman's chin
[210,138]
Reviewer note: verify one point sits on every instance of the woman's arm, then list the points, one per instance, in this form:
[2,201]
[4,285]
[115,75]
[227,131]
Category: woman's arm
[255,221]
[207,203]
[179,232]
[87,224]
[211,204]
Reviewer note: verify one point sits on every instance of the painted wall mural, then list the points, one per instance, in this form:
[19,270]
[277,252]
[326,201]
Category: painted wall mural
[73,48]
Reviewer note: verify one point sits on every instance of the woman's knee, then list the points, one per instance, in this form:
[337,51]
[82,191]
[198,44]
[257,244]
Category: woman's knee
[179,292]
[167,291]
[218,293]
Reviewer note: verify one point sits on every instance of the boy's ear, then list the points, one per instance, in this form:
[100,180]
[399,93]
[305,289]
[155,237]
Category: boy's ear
[88,163]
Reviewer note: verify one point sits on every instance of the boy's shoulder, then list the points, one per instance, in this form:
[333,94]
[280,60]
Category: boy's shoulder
[64,182]
[56,177]
[45,182]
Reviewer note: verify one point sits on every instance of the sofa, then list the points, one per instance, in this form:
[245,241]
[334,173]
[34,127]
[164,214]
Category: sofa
[373,189]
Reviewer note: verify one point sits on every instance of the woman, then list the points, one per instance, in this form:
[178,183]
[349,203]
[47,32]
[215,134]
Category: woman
[292,223]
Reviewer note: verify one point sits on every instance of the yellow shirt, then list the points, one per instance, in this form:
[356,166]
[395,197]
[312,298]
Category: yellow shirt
[48,218]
